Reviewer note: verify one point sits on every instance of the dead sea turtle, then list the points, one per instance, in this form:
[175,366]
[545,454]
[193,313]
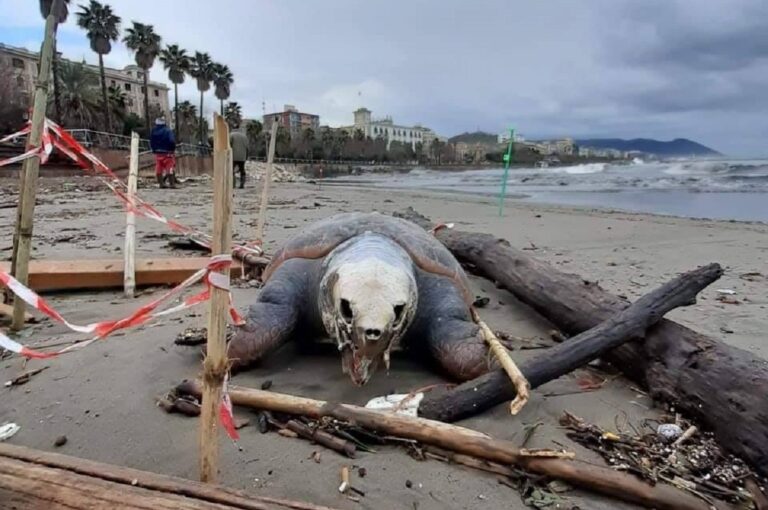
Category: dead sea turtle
[369,281]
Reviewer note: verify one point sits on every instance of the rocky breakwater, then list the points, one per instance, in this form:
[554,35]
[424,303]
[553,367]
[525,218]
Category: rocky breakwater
[280,172]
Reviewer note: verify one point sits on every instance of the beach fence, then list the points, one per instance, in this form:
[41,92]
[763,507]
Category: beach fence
[215,274]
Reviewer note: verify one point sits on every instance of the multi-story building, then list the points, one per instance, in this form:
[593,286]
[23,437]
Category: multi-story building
[503,137]
[471,152]
[561,147]
[130,80]
[387,129]
[292,119]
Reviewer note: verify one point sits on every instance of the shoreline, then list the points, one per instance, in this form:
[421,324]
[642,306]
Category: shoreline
[512,198]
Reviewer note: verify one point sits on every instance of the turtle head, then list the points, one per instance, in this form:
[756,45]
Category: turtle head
[369,301]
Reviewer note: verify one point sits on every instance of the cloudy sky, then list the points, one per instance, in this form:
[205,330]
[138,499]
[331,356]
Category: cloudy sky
[582,68]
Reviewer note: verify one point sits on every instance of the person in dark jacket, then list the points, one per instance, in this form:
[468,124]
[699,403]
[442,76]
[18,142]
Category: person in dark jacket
[239,143]
[163,145]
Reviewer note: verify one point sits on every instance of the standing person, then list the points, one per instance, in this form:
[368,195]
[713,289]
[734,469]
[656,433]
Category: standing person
[239,143]
[163,145]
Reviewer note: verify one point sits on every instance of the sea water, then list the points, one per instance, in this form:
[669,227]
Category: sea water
[718,189]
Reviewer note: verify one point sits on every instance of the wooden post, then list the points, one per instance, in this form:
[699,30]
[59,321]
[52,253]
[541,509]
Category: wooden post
[129,268]
[31,168]
[215,364]
[265,186]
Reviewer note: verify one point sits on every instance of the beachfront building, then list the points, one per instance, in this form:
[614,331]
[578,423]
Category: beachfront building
[387,129]
[562,147]
[503,138]
[292,119]
[470,152]
[23,65]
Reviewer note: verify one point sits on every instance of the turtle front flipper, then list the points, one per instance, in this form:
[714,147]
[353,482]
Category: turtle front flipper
[444,323]
[273,318]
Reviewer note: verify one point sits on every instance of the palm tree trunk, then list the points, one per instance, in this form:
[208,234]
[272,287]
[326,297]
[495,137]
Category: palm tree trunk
[176,109]
[201,118]
[146,99]
[222,107]
[56,88]
[105,101]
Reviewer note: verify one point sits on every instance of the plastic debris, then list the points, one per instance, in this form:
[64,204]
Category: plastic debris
[669,431]
[406,404]
[8,430]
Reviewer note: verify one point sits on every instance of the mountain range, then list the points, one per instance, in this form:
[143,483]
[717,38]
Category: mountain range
[679,147]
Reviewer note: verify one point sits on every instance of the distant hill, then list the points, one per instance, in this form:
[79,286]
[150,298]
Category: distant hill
[476,137]
[678,147]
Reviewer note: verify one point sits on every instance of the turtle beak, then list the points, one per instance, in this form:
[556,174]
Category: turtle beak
[357,367]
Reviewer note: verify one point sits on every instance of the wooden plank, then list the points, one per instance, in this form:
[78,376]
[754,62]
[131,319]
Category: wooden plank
[265,187]
[50,275]
[215,366]
[34,479]
[129,278]
[22,246]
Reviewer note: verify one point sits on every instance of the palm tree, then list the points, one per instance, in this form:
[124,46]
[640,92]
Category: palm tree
[222,80]
[103,27]
[187,126]
[117,101]
[253,129]
[176,61]
[79,95]
[61,17]
[343,139]
[143,40]
[201,69]
[233,114]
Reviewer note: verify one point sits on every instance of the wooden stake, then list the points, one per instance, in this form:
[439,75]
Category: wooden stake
[505,360]
[215,364]
[265,186]
[31,168]
[129,271]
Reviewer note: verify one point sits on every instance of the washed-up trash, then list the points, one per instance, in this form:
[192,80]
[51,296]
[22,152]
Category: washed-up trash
[727,292]
[8,430]
[407,404]
[669,431]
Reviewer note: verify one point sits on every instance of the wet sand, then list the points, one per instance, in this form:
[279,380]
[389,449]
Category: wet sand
[103,397]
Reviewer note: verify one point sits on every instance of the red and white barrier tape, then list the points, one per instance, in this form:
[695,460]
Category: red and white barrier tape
[55,136]
[102,329]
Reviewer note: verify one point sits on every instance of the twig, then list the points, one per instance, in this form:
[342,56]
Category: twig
[685,436]
[24,377]
[515,375]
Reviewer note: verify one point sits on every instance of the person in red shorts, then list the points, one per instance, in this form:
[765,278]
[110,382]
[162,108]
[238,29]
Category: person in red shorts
[163,145]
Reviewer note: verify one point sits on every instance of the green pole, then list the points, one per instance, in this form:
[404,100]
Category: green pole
[507,162]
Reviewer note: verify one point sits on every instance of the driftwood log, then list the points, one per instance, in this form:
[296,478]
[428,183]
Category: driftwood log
[32,479]
[723,387]
[629,324]
[468,442]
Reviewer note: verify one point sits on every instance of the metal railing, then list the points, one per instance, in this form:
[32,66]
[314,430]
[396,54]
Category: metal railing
[89,138]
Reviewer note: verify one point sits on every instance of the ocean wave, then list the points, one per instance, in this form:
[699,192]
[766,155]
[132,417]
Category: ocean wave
[586,168]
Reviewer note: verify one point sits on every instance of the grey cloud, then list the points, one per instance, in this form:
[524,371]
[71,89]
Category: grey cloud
[627,68]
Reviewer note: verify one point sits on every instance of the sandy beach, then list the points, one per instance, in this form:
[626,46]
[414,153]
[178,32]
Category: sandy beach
[103,397]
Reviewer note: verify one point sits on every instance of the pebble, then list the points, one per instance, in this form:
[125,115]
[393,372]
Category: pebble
[669,431]
[60,441]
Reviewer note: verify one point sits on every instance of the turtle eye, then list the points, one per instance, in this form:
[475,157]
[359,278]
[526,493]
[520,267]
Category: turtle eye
[399,312]
[346,310]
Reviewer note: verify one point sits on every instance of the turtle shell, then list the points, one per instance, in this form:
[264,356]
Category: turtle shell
[320,238]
